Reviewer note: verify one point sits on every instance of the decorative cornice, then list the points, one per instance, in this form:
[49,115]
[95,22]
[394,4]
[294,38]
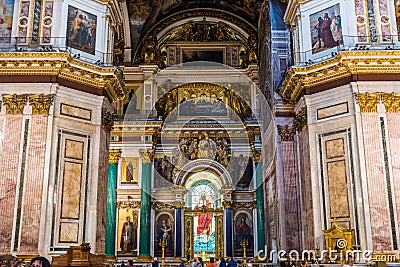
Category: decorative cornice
[286,132]
[114,155]
[64,66]
[345,65]
[107,120]
[128,204]
[41,103]
[300,119]
[147,155]
[15,103]
[368,102]
[162,205]
[244,205]
[391,102]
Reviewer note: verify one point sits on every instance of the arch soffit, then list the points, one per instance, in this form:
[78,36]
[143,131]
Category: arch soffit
[203,165]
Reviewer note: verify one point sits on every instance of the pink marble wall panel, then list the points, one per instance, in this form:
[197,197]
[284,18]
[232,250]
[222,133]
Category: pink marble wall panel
[290,195]
[9,161]
[393,121]
[377,193]
[306,191]
[32,198]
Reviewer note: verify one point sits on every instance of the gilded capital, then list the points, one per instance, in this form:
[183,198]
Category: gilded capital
[227,204]
[391,102]
[147,155]
[257,155]
[300,119]
[286,132]
[40,103]
[114,155]
[368,102]
[107,120]
[15,103]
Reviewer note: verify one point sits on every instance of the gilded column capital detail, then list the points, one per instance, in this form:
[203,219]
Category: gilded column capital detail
[114,155]
[300,119]
[368,102]
[107,120]
[40,103]
[286,132]
[227,204]
[15,103]
[391,102]
[257,155]
[147,155]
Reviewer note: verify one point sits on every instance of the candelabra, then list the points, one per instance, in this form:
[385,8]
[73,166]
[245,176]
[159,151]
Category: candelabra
[244,243]
[163,244]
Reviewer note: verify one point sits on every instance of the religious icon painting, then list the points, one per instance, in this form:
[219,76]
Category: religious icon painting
[129,173]
[81,30]
[128,231]
[243,229]
[326,29]
[163,234]
[6,18]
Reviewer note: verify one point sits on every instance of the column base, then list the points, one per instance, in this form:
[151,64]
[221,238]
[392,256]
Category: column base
[144,258]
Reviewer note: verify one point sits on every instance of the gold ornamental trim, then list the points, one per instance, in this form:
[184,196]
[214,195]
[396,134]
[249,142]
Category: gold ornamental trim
[257,155]
[147,155]
[107,120]
[128,205]
[344,65]
[64,66]
[41,103]
[15,103]
[114,155]
[300,119]
[227,204]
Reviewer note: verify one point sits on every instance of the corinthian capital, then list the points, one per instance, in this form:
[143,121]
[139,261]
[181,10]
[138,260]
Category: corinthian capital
[147,155]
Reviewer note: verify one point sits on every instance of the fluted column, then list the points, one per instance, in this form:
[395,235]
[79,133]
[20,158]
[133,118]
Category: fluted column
[260,204]
[145,206]
[111,201]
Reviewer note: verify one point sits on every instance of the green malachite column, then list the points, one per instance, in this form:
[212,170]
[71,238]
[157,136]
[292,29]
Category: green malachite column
[145,207]
[260,206]
[111,210]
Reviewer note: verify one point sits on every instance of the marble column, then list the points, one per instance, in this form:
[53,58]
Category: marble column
[260,205]
[228,227]
[111,201]
[145,206]
[178,232]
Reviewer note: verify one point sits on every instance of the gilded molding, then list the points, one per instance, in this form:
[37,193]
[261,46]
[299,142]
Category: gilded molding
[167,206]
[391,102]
[15,103]
[114,155]
[40,103]
[128,205]
[147,155]
[300,119]
[244,205]
[344,65]
[107,120]
[286,132]
[64,66]
[368,102]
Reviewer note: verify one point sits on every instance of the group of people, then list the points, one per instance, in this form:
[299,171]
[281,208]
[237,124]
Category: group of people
[222,262]
[325,28]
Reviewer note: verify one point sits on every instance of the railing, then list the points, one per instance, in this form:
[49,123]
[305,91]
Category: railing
[347,43]
[56,44]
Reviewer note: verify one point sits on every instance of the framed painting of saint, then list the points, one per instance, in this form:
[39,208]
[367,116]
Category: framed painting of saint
[81,30]
[129,173]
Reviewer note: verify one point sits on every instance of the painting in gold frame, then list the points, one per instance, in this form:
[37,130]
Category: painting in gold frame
[130,166]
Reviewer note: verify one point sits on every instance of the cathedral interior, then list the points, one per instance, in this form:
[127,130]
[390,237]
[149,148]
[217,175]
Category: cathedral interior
[178,129]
